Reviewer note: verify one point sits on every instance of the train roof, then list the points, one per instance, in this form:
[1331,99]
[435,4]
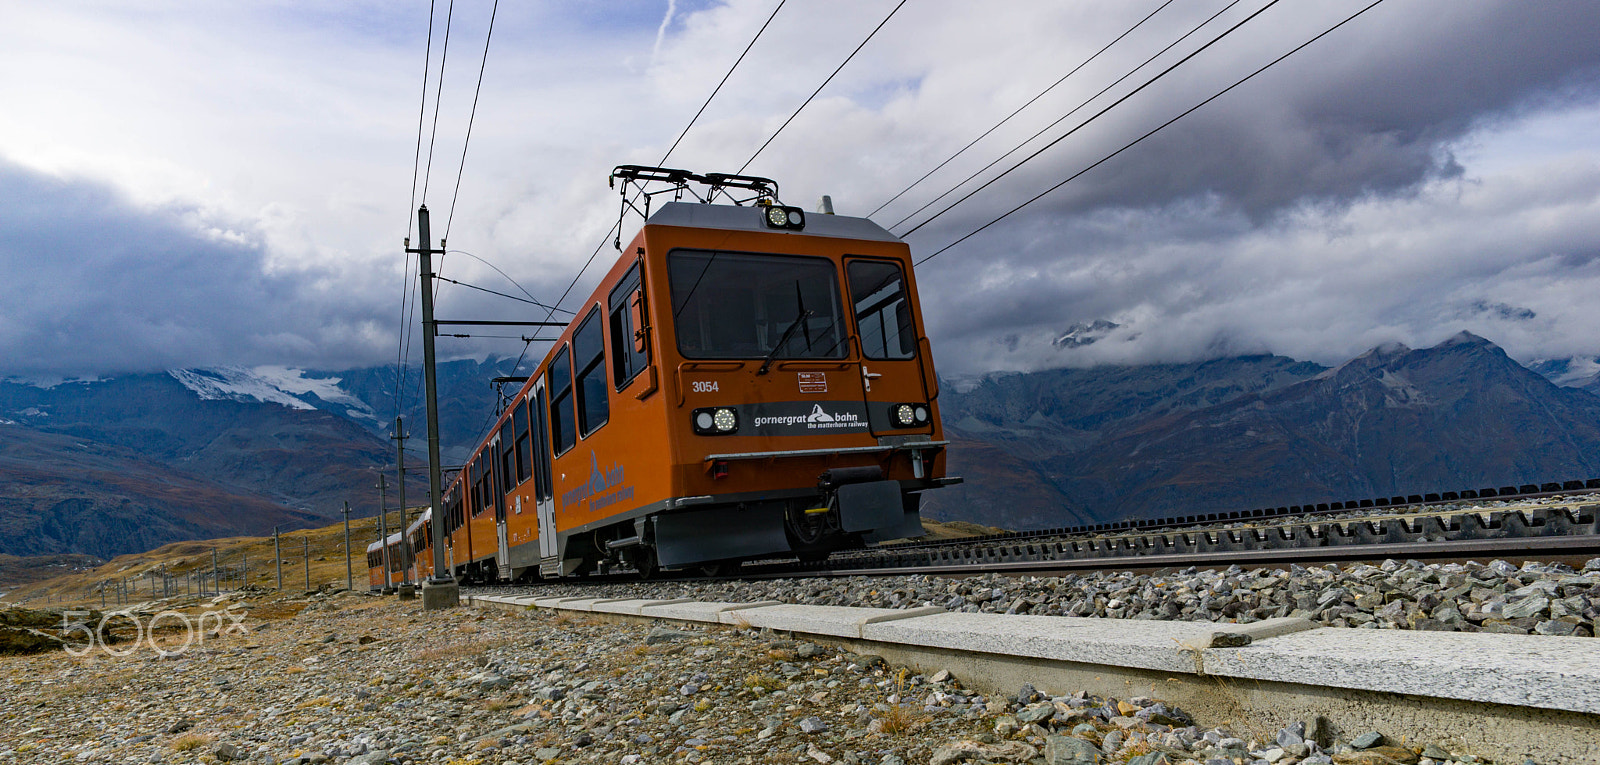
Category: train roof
[695,215]
[421,519]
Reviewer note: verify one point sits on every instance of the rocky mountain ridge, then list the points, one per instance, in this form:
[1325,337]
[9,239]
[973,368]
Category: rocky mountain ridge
[1255,431]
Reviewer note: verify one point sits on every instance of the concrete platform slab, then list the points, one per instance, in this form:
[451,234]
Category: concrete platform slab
[1121,643]
[1520,670]
[633,606]
[700,612]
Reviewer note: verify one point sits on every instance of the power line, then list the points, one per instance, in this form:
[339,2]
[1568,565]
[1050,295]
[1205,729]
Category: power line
[718,88]
[823,85]
[615,228]
[501,294]
[1030,102]
[438,93]
[416,163]
[427,173]
[524,290]
[470,118]
[1093,117]
[1157,129]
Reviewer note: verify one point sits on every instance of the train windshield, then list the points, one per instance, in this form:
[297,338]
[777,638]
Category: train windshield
[729,305]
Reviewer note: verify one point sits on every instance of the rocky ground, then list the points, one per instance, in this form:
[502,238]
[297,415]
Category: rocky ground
[1547,599]
[356,679]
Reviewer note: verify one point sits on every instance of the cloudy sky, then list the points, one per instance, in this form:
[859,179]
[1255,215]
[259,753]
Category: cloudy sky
[197,184]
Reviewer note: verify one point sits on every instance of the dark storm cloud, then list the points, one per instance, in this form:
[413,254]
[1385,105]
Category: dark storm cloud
[1372,115]
[1373,108]
[97,284]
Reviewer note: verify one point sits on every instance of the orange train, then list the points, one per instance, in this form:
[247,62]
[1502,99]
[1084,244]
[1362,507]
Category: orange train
[747,382]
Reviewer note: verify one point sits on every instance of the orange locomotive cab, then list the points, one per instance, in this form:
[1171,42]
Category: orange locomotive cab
[746,382]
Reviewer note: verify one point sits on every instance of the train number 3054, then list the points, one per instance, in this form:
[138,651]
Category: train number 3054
[704,386]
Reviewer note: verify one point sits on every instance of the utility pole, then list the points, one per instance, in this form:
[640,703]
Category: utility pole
[441,591]
[399,438]
[349,578]
[216,584]
[305,555]
[277,552]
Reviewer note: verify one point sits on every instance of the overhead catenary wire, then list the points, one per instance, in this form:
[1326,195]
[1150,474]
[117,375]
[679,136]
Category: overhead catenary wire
[514,282]
[1093,117]
[824,84]
[492,292]
[471,117]
[1157,129]
[427,175]
[664,157]
[1019,110]
[438,94]
[416,165]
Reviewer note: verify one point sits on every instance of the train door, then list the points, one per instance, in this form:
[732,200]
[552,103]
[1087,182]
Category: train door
[891,375]
[544,502]
[506,462]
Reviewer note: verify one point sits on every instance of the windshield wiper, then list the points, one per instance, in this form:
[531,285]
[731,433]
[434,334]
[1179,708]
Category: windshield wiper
[772,354]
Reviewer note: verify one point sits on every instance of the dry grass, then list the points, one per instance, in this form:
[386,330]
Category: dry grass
[778,655]
[901,720]
[326,550]
[190,741]
[766,683]
[496,705]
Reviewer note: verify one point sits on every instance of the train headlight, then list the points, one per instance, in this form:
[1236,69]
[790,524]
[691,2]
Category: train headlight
[715,421]
[904,415]
[909,415]
[792,218]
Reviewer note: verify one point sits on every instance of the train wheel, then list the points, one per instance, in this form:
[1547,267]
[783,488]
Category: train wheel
[644,561]
[722,568]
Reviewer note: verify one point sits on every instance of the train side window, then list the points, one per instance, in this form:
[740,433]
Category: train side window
[493,477]
[508,454]
[480,489]
[589,357]
[883,312]
[563,428]
[519,415]
[630,345]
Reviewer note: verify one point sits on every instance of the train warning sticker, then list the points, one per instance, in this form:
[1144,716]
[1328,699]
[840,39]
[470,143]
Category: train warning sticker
[813,382]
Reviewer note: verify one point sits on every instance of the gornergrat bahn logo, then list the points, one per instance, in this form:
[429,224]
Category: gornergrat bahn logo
[597,487]
[800,418]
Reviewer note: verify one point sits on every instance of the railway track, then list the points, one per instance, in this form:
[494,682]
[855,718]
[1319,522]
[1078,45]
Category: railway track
[1557,529]
[1563,525]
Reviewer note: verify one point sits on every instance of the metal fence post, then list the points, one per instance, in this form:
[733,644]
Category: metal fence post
[277,550]
[349,576]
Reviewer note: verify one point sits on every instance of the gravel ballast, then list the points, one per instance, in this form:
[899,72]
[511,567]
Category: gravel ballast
[1535,598]
[357,679]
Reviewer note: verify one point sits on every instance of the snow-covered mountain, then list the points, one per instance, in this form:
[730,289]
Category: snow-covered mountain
[292,388]
[1571,372]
